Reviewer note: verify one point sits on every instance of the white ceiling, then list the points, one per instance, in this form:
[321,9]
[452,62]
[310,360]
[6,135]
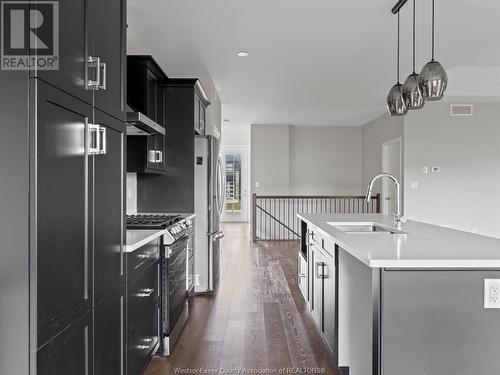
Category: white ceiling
[312,62]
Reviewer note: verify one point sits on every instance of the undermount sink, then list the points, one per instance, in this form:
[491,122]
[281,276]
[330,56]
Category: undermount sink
[365,228]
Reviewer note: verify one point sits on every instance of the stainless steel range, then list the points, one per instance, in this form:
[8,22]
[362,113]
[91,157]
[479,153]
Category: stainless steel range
[175,247]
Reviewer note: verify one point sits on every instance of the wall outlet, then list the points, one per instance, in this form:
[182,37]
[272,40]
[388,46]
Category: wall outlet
[436,169]
[414,185]
[196,279]
[425,169]
[257,185]
[492,294]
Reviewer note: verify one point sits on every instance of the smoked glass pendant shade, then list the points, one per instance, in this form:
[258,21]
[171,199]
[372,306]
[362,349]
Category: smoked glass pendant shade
[412,93]
[433,81]
[395,102]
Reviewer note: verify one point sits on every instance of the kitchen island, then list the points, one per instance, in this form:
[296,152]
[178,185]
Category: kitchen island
[403,301]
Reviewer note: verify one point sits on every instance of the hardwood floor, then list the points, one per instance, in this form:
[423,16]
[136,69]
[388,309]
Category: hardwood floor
[257,320]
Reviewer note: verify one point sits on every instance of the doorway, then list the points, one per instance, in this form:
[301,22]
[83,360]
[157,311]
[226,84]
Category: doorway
[236,207]
[392,155]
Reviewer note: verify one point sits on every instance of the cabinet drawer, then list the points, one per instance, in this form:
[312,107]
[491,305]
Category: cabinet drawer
[143,293]
[143,257]
[143,342]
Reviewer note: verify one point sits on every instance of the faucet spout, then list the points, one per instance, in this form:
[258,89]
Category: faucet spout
[398,218]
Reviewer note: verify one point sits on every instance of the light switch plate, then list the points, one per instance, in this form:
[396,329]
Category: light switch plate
[196,279]
[491,293]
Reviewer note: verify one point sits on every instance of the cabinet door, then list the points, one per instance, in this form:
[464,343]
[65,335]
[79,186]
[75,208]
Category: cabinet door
[108,337]
[108,202]
[318,269]
[330,303]
[196,114]
[73,51]
[70,352]
[64,261]
[202,118]
[151,95]
[108,25]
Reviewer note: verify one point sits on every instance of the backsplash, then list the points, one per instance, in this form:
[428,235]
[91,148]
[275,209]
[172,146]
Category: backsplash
[131,193]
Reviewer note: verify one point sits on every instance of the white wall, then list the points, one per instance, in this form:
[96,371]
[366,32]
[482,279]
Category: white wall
[465,193]
[235,135]
[305,159]
[325,160]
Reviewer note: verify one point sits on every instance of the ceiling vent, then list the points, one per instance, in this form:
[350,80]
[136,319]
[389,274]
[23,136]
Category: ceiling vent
[461,110]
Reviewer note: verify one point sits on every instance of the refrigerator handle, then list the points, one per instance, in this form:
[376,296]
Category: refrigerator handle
[220,186]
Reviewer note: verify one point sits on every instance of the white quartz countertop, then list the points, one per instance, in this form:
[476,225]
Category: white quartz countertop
[422,246]
[137,238]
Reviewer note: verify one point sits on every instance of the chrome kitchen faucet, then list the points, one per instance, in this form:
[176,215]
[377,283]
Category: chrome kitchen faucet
[398,218]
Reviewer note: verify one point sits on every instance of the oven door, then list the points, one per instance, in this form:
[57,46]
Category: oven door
[174,283]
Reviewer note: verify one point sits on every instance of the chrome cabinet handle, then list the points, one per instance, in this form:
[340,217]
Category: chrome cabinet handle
[102,140]
[218,236]
[302,275]
[152,156]
[102,85]
[144,343]
[94,139]
[94,63]
[322,274]
[144,293]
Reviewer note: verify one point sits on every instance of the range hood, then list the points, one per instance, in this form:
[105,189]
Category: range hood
[140,124]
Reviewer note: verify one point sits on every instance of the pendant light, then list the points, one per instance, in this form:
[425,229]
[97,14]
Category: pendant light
[395,103]
[412,93]
[433,78]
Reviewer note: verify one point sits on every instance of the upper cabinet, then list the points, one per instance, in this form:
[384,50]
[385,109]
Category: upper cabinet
[91,53]
[200,106]
[145,96]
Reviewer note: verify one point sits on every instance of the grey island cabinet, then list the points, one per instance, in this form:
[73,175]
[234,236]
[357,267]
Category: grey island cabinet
[415,300]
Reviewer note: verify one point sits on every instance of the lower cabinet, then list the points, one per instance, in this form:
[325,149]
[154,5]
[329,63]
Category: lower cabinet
[322,287]
[143,307]
[108,336]
[69,352]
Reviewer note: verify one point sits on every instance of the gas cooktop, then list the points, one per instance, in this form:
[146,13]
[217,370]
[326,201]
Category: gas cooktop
[152,221]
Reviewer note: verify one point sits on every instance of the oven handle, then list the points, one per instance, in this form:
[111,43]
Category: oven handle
[169,248]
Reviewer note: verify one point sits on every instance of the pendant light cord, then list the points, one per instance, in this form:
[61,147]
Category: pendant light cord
[414,32]
[398,52]
[433,30]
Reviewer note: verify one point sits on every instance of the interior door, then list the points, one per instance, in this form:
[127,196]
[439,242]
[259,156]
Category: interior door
[74,50]
[108,201]
[108,24]
[64,262]
[236,207]
[391,163]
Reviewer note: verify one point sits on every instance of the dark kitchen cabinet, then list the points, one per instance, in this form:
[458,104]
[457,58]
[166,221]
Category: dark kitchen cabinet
[92,37]
[74,51]
[70,352]
[109,43]
[109,341]
[108,179]
[143,288]
[64,255]
[146,154]
[68,146]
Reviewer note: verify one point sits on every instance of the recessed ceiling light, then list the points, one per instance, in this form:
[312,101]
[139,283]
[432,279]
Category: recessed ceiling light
[242,54]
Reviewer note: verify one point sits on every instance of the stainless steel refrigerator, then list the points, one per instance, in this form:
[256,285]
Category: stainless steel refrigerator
[209,204]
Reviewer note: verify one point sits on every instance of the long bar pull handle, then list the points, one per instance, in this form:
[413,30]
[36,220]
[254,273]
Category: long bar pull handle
[323,274]
[102,85]
[94,63]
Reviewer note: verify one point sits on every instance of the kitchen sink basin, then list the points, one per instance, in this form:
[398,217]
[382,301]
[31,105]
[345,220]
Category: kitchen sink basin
[365,228]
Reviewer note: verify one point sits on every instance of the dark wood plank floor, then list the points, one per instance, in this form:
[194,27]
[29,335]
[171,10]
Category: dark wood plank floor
[258,319]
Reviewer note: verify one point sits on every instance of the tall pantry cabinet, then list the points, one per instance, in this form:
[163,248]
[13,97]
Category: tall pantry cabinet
[62,202]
